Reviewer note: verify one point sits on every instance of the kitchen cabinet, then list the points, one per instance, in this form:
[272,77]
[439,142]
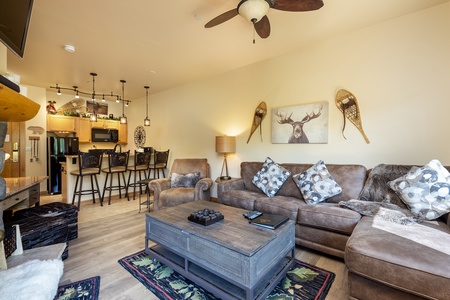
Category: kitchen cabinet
[106,124]
[61,123]
[84,130]
[123,133]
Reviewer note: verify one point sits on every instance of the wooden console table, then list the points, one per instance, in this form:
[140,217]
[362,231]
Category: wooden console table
[22,192]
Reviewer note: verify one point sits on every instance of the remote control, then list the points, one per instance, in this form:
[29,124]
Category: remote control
[251,215]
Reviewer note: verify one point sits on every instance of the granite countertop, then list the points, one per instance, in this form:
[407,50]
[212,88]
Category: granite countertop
[18,184]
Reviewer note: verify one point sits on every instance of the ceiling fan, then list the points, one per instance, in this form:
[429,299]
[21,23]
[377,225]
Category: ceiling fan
[255,11]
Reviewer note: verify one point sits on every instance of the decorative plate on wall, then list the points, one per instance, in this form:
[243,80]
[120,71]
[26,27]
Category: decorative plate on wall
[139,136]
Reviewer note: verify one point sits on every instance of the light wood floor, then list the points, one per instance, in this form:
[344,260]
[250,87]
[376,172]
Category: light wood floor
[108,233]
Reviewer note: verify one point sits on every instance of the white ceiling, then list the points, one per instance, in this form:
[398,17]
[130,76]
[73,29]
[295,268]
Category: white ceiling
[164,43]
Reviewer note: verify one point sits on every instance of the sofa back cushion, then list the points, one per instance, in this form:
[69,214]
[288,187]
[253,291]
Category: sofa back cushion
[350,177]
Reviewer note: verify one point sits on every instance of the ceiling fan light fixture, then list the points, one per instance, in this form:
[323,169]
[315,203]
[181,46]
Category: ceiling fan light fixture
[253,10]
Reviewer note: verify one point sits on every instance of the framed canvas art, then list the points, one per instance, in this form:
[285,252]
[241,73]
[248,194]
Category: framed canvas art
[302,124]
[98,108]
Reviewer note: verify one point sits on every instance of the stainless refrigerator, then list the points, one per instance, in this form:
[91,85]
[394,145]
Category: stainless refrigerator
[57,148]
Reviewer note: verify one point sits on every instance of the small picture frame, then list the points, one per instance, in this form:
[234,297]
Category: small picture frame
[111,116]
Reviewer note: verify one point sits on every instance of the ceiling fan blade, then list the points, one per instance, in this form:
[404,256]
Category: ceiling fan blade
[297,5]
[263,27]
[222,18]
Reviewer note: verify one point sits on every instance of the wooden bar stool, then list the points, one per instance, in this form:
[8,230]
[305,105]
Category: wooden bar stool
[159,163]
[117,164]
[141,164]
[89,164]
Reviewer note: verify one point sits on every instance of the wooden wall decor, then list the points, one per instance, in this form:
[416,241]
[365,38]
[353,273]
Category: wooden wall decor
[348,105]
[258,117]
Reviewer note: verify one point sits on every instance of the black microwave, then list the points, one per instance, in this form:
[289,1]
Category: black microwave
[105,135]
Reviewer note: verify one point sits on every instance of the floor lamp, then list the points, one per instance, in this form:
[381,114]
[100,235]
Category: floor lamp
[225,145]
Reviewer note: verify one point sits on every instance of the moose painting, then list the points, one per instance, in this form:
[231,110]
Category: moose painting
[300,124]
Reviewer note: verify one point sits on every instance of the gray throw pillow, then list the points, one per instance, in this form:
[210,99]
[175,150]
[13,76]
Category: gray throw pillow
[188,180]
[317,184]
[384,210]
[425,190]
[271,177]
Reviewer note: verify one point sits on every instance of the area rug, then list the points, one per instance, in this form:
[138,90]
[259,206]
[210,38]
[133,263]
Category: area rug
[87,289]
[302,281]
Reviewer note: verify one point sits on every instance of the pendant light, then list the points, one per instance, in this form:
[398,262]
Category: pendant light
[93,116]
[146,120]
[123,118]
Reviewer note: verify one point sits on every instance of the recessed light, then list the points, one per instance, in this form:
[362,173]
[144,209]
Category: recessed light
[69,48]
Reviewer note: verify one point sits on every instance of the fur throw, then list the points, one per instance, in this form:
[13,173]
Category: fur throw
[35,279]
[377,188]
[384,210]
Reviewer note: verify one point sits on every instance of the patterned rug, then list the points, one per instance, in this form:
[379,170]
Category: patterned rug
[87,289]
[302,281]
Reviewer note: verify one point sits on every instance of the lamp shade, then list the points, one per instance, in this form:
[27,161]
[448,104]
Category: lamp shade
[225,144]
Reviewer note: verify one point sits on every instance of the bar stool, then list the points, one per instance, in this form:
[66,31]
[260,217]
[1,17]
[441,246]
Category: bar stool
[141,164]
[117,164]
[89,164]
[159,162]
[146,202]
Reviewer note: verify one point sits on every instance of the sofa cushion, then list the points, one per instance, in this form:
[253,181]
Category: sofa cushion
[279,205]
[410,258]
[384,210]
[240,198]
[173,197]
[328,216]
[426,190]
[184,180]
[317,184]
[350,177]
[270,177]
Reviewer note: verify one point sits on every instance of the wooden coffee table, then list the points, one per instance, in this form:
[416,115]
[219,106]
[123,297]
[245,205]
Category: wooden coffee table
[231,258]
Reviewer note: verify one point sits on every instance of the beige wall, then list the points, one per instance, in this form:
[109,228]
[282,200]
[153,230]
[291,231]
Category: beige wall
[36,168]
[398,70]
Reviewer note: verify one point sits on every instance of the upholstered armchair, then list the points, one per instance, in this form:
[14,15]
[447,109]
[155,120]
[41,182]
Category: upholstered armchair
[188,181]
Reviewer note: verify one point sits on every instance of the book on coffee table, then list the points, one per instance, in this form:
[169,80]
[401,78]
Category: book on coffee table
[269,221]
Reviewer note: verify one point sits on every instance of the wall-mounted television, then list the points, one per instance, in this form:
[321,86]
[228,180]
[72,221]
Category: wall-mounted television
[14,20]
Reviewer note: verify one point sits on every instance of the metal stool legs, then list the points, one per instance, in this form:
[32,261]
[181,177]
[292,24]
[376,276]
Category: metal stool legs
[80,192]
[112,187]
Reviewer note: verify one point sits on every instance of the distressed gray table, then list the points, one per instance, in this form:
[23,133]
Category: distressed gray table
[232,258]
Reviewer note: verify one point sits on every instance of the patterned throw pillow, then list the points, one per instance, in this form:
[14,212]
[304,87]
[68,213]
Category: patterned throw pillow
[271,177]
[425,190]
[317,184]
[188,180]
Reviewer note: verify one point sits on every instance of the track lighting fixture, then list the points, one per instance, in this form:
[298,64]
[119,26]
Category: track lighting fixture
[105,96]
[123,118]
[146,120]
[75,88]
[93,116]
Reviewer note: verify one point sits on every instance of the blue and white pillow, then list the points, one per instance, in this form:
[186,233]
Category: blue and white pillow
[271,177]
[425,190]
[316,184]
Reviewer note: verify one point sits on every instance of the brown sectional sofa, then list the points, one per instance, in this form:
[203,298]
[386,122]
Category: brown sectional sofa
[385,260]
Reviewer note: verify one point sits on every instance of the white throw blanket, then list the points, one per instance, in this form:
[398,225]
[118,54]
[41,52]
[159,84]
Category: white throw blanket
[33,280]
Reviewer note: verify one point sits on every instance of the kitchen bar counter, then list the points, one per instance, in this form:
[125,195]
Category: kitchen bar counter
[22,192]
